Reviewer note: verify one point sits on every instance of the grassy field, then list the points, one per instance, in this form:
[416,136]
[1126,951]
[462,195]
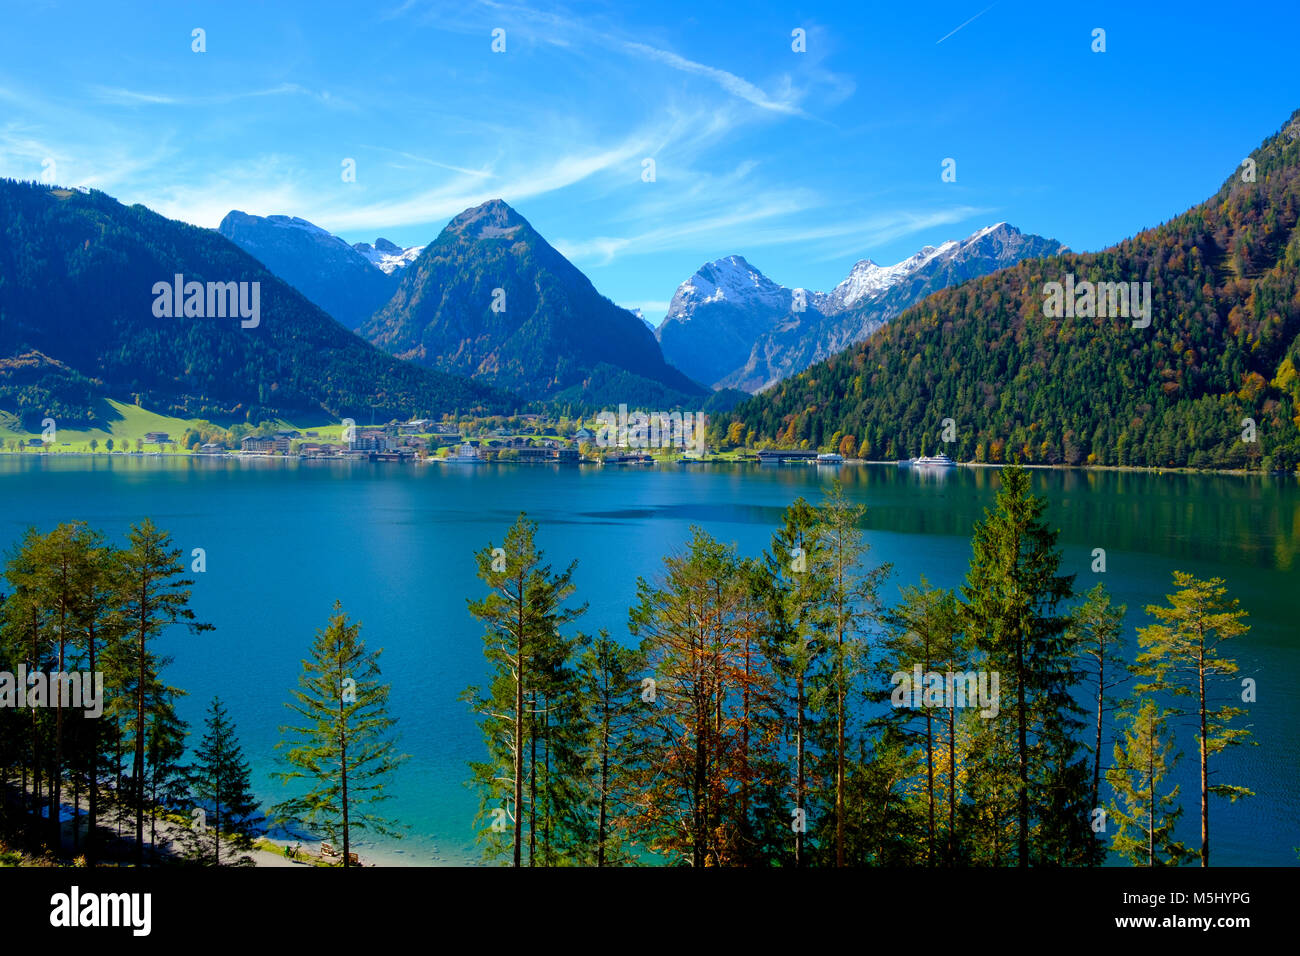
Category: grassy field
[124,424]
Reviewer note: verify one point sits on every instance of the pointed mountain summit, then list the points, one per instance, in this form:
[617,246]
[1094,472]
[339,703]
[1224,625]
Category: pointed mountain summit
[495,219]
[718,314]
[492,300]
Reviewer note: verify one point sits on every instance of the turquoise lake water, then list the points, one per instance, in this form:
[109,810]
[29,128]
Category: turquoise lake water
[394,543]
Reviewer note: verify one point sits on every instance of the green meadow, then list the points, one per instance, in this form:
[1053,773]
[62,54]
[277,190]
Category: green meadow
[125,424]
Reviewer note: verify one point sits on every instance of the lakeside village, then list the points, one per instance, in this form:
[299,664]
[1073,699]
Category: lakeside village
[611,438]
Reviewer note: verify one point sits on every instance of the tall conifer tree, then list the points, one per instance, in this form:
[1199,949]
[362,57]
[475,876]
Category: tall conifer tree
[343,745]
[522,613]
[1146,817]
[153,597]
[1181,654]
[221,786]
[1012,592]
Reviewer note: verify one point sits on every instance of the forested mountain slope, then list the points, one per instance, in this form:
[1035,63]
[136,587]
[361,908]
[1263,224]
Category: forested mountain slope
[1223,345]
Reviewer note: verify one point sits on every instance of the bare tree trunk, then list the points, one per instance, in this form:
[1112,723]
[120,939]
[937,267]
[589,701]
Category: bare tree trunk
[343,779]
[56,781]
[532,778]
[1151,802]
[952,785]
[92,816]
[138,771]
[604,786]
[519,725]
[1205,769]
[929,784]
[799,773]
[1023,836]
[839,732]
[1096,753]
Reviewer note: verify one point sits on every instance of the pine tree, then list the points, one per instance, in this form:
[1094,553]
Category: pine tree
[927,632]
[522,614]
[54,621]
[1181,655]
[1094,632]
[28,639]
[344,746]
[1141,762]
[100,628]
[220,785]
[797,578]
[62,576]
[855,611]
[152,598]
[695,627]
[610,678]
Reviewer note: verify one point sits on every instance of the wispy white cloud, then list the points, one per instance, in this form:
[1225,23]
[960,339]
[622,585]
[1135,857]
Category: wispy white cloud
[721,226]
[772,221]
[886,228]
[100,165]
[120,96]
[113,94]
[733,84]
[482,173]
[578,33]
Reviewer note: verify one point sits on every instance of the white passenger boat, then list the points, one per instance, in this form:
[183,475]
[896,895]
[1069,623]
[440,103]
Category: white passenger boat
[933,461]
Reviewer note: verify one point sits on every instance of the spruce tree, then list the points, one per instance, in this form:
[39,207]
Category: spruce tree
[1011,596]
[220,784]
[343,746]
[165,746]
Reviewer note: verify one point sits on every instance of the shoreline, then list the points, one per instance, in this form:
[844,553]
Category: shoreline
[1136,469]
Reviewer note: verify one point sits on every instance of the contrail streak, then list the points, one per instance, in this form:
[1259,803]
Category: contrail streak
[971,20]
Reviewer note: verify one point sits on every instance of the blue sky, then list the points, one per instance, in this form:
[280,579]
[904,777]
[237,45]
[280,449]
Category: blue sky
[801,162]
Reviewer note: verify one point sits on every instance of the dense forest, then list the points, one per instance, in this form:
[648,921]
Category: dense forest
[77,272]
[769,710]
[1211,383]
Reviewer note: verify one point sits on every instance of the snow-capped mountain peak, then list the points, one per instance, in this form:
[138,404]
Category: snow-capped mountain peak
[867,280]
[388,256]
[730,326]
[729,280]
